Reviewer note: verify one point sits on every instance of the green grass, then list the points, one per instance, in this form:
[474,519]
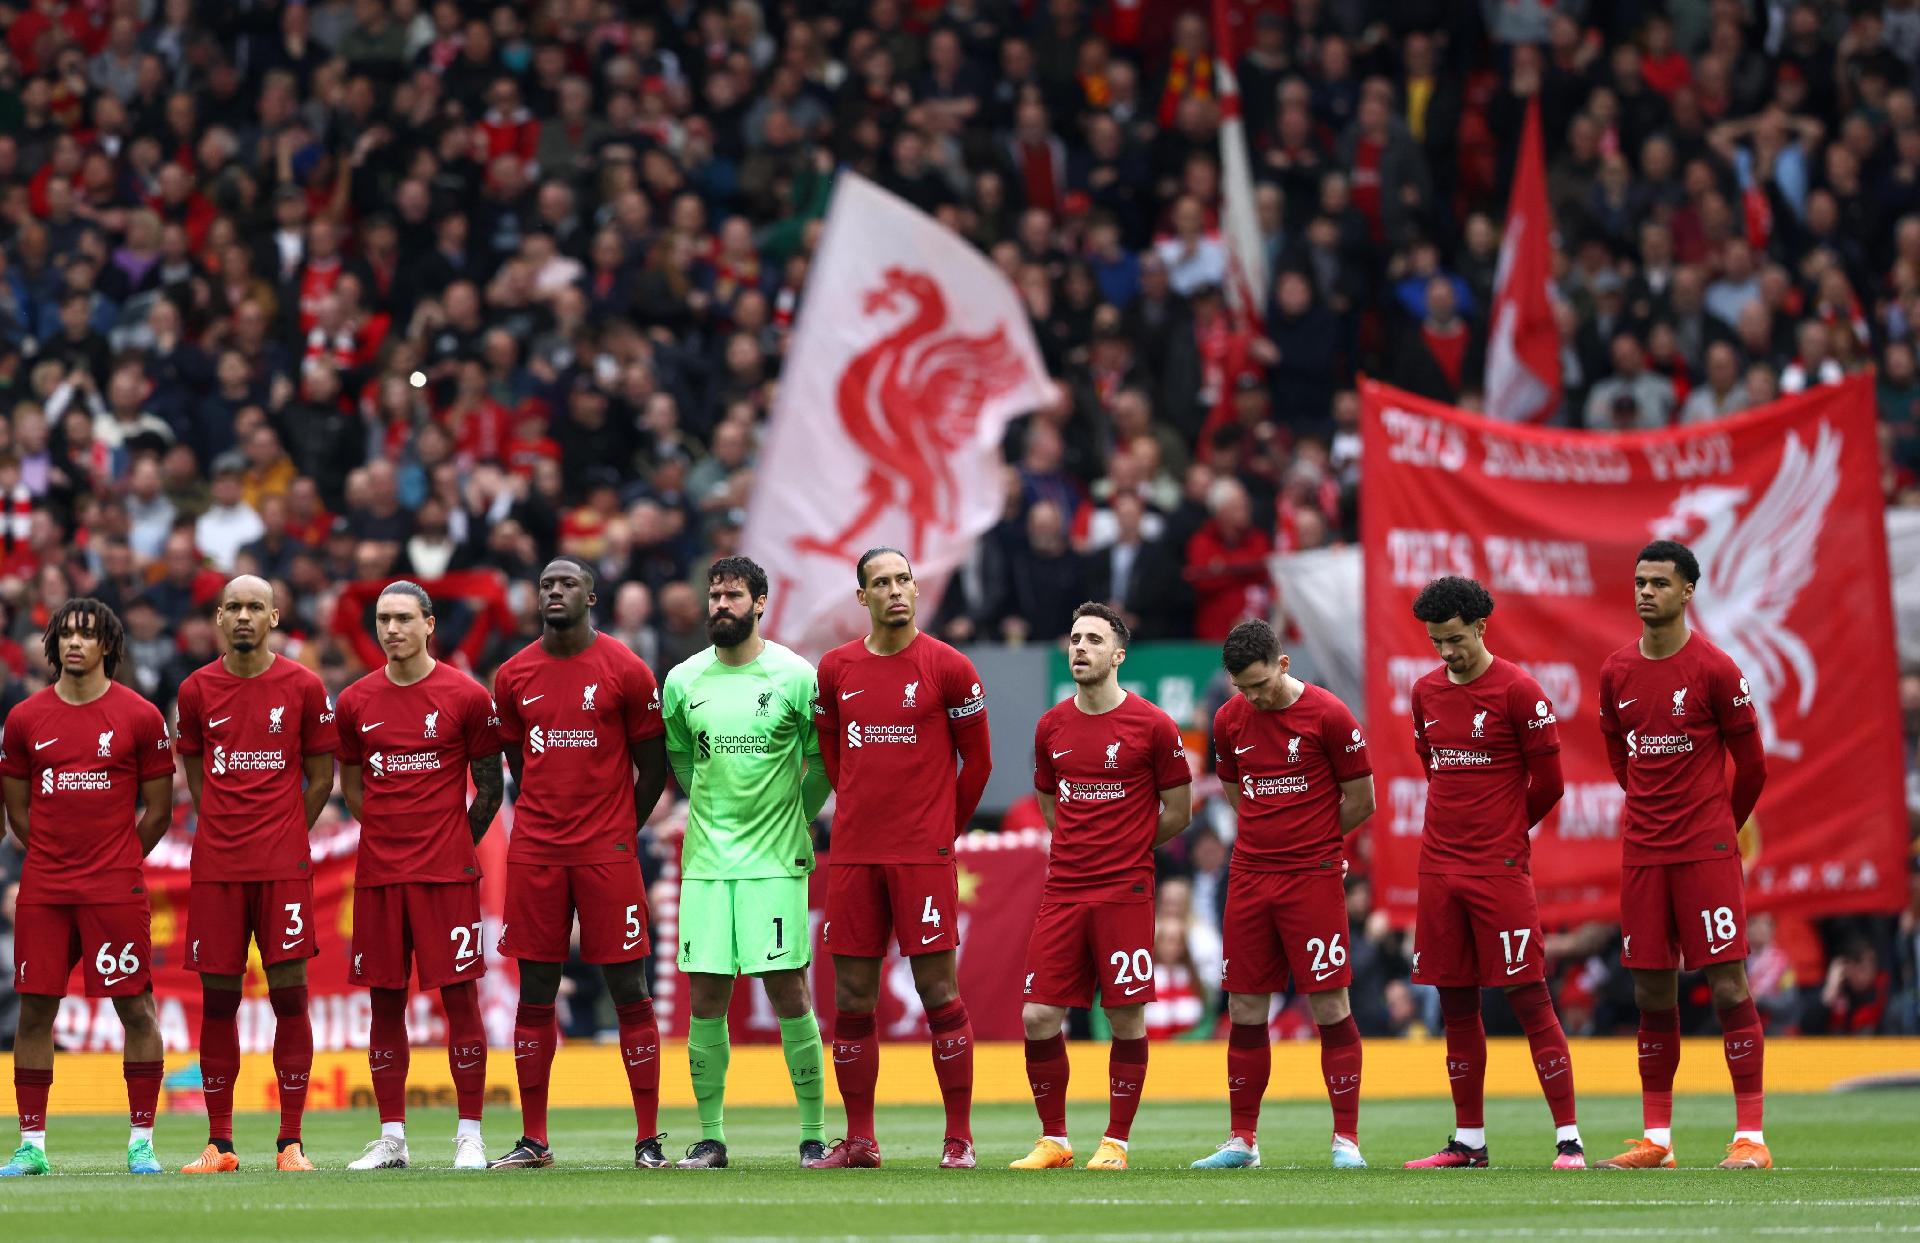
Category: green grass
[1847,1169]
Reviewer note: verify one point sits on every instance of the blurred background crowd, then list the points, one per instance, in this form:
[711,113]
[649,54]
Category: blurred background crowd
[352,289]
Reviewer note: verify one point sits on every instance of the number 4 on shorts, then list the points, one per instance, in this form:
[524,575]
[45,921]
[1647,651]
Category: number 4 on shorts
[930,914]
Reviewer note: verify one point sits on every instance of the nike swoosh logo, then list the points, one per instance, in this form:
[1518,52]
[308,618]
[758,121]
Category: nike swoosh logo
[41,746]
[1244,750]
[521,1057]
[1321,975]
[1342,1091]
[948,1057]
[536,699]
[930,940]
[222,721]
[1734,1057]
[1516,970]
[630,945]
[1058,754]
[1455,1078]
[1715,949]
[471,962]
[1555,1075]
[1624,702]
[1431,724]
[691,707]
[781,954]
[293,944]
[1137,989]
[465,1065]
[843,1061]
[110,981]
[375,725]
[1653,1054]
[846,695]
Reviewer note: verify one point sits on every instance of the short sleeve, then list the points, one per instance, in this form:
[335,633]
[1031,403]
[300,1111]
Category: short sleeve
[481,729]
[1044,777]
[1169,755]
[1536,728]
[1226,765]
[1609,707]
[640,702]
[673,717]
[14,751]
[1732,699]
[1345,742]
[1417,709]
[155,744]
[319,733]
[506,706]
[346,715]
[191,741]
[961,690]
[826,708]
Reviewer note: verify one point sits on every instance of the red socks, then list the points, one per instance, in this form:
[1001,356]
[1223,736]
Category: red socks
[856,1067]
[640,1050]
[1466,1055]
[1659,1059]
[143,1090]
[1249,1066]
[953,1065]
[534,1039]
[466,1047]
[1126,1077]
[1340,1064]
[292,1055]
[30,1088]
[388,1053]
[1047,1070]
[1552,1062]
[219,1058]
[1746,1045]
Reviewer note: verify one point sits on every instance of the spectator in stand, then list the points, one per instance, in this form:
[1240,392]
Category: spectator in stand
[1226,564]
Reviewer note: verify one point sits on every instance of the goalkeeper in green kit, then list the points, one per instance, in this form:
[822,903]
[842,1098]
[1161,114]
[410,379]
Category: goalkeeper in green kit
[740,737]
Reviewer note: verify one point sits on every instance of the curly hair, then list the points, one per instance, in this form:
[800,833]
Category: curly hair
[1672,550]
[89,616]
[1450,597]
[746,569]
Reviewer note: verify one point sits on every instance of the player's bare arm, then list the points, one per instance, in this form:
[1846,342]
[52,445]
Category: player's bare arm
[516,763]
[1356,802]
[1176,813]
[156,812]
[353,787]
[650,777]
[17,795]
[489,788]
[196,777]
[319,774]
[1046,809]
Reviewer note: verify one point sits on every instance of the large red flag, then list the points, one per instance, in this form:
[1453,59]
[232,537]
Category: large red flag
[1246,289]
[1782,507]
[1523,351]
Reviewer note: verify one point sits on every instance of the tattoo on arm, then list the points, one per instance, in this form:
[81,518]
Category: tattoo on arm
[488,789]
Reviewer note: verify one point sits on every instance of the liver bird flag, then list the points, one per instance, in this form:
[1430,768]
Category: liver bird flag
[1523,350]
[910,356]
[1239,221]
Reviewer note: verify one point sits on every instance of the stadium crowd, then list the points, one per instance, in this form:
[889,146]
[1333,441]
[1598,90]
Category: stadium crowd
[350,290]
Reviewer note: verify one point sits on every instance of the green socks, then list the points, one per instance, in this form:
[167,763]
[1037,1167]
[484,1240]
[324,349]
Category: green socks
[800,1041]
[708,1053]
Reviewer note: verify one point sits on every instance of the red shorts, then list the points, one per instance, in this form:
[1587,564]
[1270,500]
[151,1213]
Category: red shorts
[221,915]
[1673,912]
[1285,923]
[918,903]
[542,899]
[1477,932]
[1078,946]
[438,925]
[112,942]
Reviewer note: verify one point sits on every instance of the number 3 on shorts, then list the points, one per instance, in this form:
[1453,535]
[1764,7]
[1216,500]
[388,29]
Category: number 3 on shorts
[296,923]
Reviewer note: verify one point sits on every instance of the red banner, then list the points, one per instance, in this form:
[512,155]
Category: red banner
[1001,876]
[1549,520]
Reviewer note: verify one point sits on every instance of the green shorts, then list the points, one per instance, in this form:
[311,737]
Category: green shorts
[744,927]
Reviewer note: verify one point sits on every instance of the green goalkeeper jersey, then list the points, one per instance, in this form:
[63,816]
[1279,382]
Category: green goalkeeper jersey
[742,744]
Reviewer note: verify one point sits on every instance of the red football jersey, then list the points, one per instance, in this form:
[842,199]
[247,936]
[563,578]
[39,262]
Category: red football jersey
[574,719]
[1675,716]
[1105,773]
[893,720]
[253,735]
[83,765]
[1475,740]
[414,745]
[1289,765]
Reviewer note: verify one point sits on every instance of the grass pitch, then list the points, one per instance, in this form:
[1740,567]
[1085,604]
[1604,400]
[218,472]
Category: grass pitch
[1849,1166]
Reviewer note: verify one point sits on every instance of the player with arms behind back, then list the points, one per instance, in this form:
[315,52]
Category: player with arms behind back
[741,738]
[1490,743]
[87,768]
[1293,763]
[1114,786]
[1673,707]
[580,720]
[894,710]
[257,737]
[409,736]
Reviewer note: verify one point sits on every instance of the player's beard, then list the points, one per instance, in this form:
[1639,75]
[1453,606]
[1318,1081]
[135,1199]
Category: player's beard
[729,631]
[243,646]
